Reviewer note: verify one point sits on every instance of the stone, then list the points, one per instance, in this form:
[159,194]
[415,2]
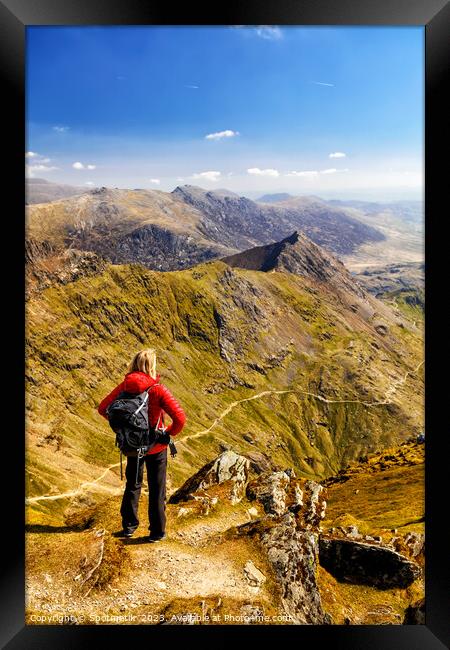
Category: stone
[415,613]
[254,576]
[228,466]
[361,562]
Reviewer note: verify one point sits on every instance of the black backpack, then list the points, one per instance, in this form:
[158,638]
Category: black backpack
[128,418]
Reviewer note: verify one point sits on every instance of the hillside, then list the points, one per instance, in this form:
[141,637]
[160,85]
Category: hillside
[244,223]
[280,362]
[288,363]
[38,190]
[169,231]
[255,545]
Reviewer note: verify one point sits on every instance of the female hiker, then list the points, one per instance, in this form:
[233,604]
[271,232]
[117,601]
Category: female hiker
[140,376]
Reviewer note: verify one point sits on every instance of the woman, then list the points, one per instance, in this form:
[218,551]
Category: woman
[140,376]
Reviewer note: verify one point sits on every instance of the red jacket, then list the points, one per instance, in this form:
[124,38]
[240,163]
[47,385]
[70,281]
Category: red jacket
[160,399]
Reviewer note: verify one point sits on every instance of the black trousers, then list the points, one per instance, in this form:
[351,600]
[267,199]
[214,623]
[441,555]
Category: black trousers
[156,476]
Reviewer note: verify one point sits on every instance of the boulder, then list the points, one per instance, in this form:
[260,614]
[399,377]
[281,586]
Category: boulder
[279,492]
[254,576]
[292,553]
[361,562]
[228,466]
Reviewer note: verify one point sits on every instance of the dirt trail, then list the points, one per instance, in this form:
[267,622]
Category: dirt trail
[388,400]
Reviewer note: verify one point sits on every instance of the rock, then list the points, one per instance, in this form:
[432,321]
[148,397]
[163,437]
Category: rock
[253,512]
[228,466]
[251,614]
[259,462]
[280,491]
[415,614]
[271,491]
[254,576]
[292,553]
[352,531]
[415,542]
[365,563]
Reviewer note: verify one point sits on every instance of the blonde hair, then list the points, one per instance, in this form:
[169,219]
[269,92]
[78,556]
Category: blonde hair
[144,361]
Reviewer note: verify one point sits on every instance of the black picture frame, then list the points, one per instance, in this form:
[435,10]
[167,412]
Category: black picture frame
[15,16]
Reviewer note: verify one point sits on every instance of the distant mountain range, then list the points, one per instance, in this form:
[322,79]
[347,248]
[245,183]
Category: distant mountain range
[168,231]
[39,190]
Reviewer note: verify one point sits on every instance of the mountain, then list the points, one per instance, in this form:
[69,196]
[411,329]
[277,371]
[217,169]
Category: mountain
[299,255]
[330,371]
[274,198]
[39,190]
[402,225]
[288,370]
[170,231]
[242,223]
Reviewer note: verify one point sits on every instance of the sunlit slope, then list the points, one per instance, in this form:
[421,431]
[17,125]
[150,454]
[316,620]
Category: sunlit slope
[273,361]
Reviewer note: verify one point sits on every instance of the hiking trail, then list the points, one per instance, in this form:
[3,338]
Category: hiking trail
[387,400]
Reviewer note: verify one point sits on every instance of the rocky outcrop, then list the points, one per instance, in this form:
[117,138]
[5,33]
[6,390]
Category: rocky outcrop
[299,255]
[361,562]
[228,467]
[288,535]
[47,267]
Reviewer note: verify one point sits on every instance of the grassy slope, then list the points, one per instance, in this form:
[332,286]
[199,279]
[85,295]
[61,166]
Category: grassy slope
[81,336]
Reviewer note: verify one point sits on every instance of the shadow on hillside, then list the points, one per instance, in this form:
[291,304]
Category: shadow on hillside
[42,528]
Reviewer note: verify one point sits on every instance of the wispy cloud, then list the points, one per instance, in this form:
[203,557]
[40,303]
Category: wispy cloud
[333,170]
[193,86]
[89,183]
[155,181]
[61,129]
[221,134]
[322,83]
[303,173]
[207,176]
[269,32]
[120,77]
[79,165]
[31,154]
[337,154]
[315,172]
[255,171]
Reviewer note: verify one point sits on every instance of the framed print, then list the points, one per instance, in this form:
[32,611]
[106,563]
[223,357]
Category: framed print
[229,394]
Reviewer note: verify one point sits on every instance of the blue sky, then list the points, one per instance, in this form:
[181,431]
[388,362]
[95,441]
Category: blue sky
[332,111]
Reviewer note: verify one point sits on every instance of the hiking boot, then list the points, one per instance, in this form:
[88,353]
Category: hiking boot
[127,533]
[156,538]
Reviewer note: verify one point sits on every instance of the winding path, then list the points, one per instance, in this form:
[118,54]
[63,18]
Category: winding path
[387,400]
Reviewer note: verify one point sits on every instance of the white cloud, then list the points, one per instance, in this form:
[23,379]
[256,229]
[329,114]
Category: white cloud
[308,174]
[192,86]
[255,171]
[322,83]
[31,154]
[180,178]
[155,181]
[61,129]
[89,183]
[79,165]
[207,176]
[31,170]
[333,170]
[269,32]
[221,134]
[337,154]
